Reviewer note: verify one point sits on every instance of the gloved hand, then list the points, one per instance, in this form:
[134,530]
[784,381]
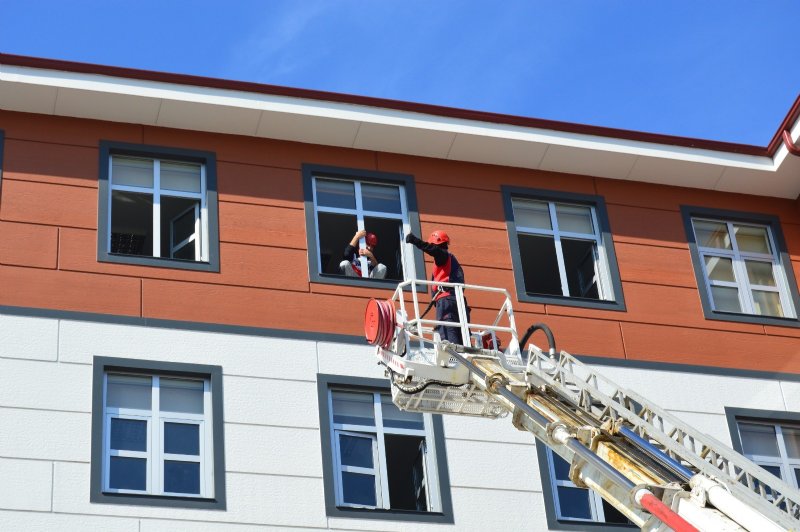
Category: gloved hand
[410,238]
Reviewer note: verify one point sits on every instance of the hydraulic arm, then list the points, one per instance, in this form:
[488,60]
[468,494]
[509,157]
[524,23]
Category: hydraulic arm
[659,472]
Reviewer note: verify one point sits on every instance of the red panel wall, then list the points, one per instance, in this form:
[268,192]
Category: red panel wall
[48,243]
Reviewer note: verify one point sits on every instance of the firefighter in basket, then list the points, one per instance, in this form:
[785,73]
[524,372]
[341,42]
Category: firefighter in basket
[446,269]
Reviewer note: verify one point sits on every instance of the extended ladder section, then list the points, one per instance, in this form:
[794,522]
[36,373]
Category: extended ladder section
[659,472]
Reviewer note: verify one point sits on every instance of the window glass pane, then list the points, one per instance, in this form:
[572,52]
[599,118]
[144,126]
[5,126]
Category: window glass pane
[380,198]
[128,473]
[353,408]
[712,234]
[129,391]
[181,395]
[335,232]
[387,252]
[181,477]
[791,436]
[758,440]
[775,470]
[128,434]
[131,223]
[539,264]
[760,272]
[560,466]
[534,214]
[332,193]
[797,476]
[767,303]
[719,268]
[579,261]
[358,489]
[752,239]
[726,299]
[131,171]
[184,177]
[182,438]
[355,451]
[574,502]
[574,219]
[400,419]
[178,224]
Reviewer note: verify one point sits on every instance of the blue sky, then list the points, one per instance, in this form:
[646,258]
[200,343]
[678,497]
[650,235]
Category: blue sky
[720,70]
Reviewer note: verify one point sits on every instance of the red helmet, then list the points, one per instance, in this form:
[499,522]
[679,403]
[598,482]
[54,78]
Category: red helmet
[438,237]
[372,239]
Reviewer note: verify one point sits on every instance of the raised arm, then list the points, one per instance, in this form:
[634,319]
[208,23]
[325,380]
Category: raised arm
[439,255]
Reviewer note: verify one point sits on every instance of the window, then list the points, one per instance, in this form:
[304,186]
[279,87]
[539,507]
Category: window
[341,202]
[380,461]
[569,507]
[158,207]
[740,266]
[157,433]
[770,439]
[561,249]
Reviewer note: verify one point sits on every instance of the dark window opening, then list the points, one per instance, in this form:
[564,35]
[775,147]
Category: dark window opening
[539,265]
[406,470]
[387,252]
[335,232]
[131,223]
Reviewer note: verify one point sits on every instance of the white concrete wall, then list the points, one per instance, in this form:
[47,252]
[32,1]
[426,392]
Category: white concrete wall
[272,441]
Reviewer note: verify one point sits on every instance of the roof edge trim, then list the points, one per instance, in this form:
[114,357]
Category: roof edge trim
[429,109]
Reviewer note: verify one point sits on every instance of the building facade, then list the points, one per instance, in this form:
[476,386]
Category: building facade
[180,351]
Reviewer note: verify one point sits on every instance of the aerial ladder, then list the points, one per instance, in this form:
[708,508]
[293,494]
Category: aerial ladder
[659,472]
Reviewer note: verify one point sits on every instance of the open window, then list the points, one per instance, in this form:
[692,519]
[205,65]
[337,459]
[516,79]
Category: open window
[379,461]
[561,249]
[158,208]
[339,203]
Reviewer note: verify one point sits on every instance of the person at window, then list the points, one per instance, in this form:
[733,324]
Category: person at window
[446,269]
[351,265]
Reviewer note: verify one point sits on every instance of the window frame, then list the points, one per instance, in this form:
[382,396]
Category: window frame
[554,522]
[411,217]
[209,202]
[607,257]
[773,418]
[212,464]
[781,265]
[433,438]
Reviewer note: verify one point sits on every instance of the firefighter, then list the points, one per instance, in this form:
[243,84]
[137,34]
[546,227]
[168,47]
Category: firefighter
[446,269]
[351,266]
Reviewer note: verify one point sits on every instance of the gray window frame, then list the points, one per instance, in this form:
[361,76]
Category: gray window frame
[404,180]
[553,522]
[733,415]
[102,365]
[208,159]
[604,227]
[773,222]
[324,383]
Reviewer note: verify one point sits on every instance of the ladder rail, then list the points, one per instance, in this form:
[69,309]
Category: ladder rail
[705,454]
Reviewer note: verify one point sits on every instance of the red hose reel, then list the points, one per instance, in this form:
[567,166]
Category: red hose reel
[380,322]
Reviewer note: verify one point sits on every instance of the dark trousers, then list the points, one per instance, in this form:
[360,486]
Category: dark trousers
[447,310]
